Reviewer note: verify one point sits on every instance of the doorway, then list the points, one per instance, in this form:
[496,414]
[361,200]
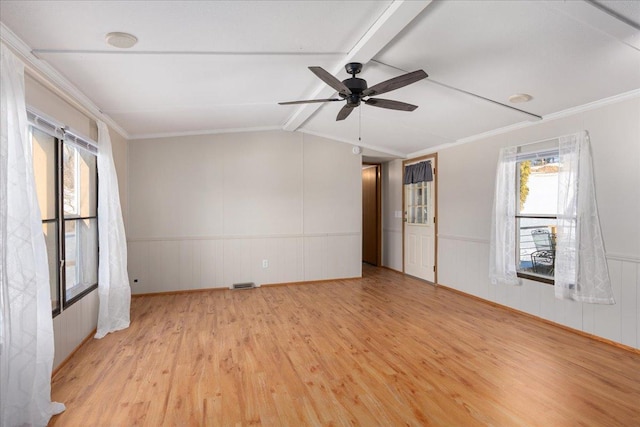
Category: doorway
[371,214]
[419,195]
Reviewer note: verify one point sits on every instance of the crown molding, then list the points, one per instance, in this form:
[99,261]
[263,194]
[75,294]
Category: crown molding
[55,81]
[593,105]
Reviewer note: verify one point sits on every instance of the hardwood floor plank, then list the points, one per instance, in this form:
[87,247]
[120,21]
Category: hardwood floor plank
[383,350]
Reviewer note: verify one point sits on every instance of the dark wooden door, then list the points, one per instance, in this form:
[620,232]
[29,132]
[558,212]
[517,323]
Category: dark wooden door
[371,214]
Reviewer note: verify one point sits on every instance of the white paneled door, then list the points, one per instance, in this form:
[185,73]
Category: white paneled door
[419,229]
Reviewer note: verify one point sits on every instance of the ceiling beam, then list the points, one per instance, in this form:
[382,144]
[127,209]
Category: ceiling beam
[601,19]
[397,16]
[384,150]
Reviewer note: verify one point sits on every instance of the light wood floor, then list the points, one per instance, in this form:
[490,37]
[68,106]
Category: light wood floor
[385,350]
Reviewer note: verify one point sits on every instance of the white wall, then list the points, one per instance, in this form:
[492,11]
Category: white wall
[119,149]
[392,225]
[204,211]
[466,180]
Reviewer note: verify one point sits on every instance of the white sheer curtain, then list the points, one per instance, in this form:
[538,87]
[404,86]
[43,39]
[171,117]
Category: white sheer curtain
[114,291]
[502,259]
[26,325]
[581,271]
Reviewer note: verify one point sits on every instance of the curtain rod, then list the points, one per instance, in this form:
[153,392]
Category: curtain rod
[540,141]
[48,124]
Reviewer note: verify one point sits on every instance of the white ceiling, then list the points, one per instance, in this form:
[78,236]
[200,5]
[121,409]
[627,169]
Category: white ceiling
[215,66]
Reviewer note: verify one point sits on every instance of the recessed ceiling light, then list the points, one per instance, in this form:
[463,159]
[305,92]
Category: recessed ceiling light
[121,40]
[520,97]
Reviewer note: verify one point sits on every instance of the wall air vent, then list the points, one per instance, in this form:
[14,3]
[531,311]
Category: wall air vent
[248,285]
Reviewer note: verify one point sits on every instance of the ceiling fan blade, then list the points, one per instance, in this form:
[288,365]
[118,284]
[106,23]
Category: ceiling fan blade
[390,104]
[329,79]
[344,112]
[309,101]
[395,83]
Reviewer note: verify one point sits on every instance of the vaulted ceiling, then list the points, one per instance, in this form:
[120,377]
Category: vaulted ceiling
[218,66]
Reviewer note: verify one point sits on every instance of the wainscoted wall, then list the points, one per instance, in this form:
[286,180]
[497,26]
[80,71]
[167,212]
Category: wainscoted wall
[73,325]
[392,259]
[206,211]
[466,185]
[464,266]
[162,265]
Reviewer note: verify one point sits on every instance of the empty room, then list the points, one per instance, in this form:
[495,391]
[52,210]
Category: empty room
[320,213]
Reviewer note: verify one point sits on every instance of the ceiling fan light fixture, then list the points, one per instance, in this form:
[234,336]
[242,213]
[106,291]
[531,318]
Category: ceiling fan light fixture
[519,98]
[121,40]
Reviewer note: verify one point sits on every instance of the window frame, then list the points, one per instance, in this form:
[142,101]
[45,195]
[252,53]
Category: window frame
[411,190]
[58,308]
[60,220]
[75,218]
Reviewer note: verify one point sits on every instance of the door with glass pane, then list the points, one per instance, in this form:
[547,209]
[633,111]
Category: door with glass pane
[419,229]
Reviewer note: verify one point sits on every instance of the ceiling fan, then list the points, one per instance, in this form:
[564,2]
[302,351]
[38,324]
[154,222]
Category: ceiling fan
[354,90]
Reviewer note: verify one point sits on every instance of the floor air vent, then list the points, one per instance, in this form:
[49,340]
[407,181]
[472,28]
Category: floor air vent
[248,285]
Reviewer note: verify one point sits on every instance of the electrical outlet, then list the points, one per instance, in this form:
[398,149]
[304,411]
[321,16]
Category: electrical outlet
[265,263]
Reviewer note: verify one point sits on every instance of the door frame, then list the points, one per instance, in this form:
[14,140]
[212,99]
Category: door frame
[378,210]
[434,158]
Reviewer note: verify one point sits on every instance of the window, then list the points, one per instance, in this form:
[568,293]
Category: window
[418,198]
[537,214]
[66,184]
[535,231]
[418,188]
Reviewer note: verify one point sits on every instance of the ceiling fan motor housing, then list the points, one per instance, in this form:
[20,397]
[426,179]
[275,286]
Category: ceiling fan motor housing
[356,86]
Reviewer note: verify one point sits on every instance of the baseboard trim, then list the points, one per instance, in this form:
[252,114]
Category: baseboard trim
[75,350]
[178,292]
[189,291]
[543,320]
[308,282]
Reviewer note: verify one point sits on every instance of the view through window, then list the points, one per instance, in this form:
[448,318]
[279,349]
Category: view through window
[537,212]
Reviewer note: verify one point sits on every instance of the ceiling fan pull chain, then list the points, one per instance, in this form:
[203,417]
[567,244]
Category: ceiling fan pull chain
[360,124]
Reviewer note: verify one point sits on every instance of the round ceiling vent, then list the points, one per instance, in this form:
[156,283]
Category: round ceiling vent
[121,40]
